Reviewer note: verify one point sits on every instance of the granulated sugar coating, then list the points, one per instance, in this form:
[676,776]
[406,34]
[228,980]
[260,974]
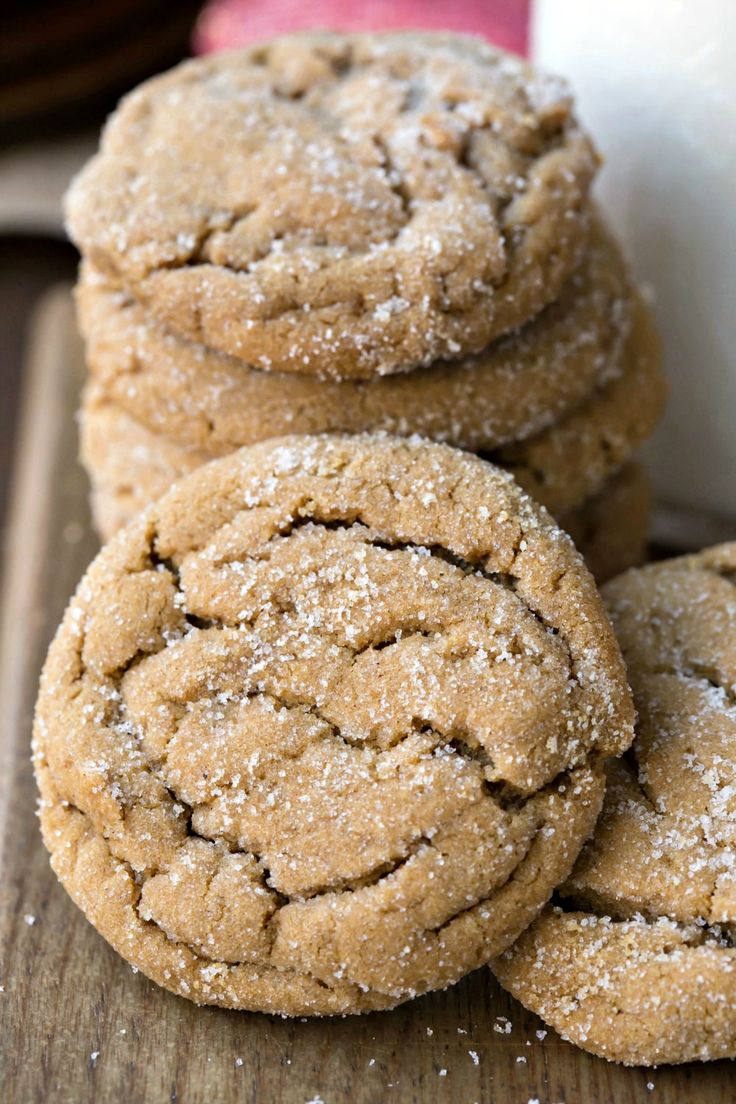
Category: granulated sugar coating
[639,965]
[323,728]
[513,389]
[562,466]
[350,205]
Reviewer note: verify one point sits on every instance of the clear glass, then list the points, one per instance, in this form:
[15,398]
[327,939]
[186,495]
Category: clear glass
[656,84]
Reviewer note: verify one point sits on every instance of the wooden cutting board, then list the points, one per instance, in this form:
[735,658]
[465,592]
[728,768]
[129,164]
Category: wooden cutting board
[77,1025]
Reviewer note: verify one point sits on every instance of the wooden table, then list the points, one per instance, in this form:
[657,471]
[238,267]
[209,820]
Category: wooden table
[77,1025]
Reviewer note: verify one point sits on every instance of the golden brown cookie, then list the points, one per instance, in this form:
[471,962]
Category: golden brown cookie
[323,728]
[343,205]
[639,964]
[611,528]
[511,390]
[562,467]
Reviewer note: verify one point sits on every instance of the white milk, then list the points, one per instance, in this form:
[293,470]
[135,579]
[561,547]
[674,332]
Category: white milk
[655,82]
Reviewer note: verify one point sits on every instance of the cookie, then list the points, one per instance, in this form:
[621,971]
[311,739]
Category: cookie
[514,388]
[638,963]
[344,205]
[562,467]
[611,528]
[322,728]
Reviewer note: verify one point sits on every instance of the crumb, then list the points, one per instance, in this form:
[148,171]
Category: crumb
[94,1056]
[238,1062]
[521,1058]
[430,1032]
[443,1073]
[29,919]
[541,1035]
[474,1055]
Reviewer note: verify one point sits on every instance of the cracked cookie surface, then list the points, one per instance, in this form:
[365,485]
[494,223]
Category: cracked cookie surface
[322,729]
[639,964]
[513,389]
[353,205]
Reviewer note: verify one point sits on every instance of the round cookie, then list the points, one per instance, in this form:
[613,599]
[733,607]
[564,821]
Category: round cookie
[346,205]
[639,964]
[323,728]
[611,529]
[562,467]
[511,390]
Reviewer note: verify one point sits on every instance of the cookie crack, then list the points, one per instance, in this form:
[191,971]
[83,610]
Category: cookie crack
[540,824]
[725,574]
[696,672]
[353,523]
[373,877]
[395,180]
[458,741]
[694,934]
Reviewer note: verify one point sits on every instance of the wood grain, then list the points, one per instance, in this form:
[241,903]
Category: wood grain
[77,1025]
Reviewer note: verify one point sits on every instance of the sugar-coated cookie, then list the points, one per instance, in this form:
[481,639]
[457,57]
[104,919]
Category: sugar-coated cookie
[351,205]
[323,728]
[638,962]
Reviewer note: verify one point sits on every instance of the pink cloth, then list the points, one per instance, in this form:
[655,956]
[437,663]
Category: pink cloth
[224,24]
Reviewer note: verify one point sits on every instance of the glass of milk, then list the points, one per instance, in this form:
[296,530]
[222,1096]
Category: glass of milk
[655,82]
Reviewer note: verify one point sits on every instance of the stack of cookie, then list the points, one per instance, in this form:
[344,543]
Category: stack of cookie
[332,719]
[361,233]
